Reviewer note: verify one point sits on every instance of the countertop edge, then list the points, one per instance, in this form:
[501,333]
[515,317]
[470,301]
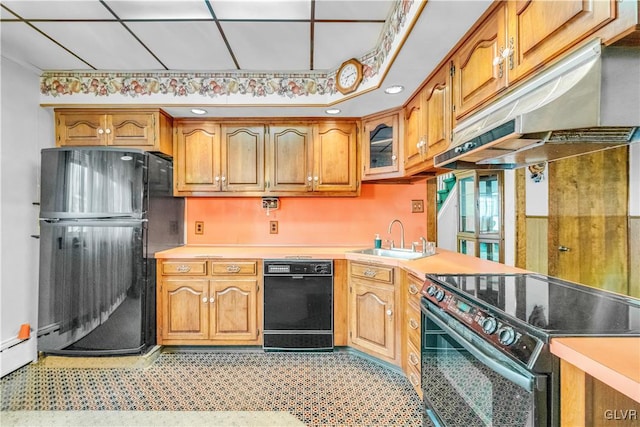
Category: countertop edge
[590,365]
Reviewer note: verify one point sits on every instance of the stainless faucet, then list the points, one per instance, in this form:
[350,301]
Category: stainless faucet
[401,235]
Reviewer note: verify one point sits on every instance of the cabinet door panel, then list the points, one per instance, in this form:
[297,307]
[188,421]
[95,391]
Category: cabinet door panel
[372,323]
[234,315]
[334,156]
[186,309]
[438,114]
[476,77]
[77,129]
[131,129]
[380,146]
[541,30]
[243,157]
[291,155]
[197,157]
[413,131]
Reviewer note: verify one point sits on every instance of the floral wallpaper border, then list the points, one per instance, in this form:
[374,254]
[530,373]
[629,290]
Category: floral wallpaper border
[288,86]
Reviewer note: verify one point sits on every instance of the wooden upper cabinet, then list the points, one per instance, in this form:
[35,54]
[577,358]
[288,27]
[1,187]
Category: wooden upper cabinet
[334,157]
[381,146]
[242,155]
[518,38]
[437,103]
[477,74]
[197,161]
[414,122]
[290,158]
[541,30]
[144,129]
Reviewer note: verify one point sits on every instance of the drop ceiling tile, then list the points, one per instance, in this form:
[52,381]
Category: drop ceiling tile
[183,9]
[105,45]
[262,10]
[55,9]
[25,45]
[353,9]
[4,14]
[196,46]
[262,46]
[337,42]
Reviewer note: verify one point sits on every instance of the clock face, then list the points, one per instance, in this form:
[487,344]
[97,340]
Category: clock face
[348,75]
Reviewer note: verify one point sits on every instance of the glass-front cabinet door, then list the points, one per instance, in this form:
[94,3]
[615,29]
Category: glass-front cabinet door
[480,228]
[380,147]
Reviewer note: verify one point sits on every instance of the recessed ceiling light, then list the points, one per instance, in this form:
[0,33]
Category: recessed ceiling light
[394,89]
[198,111]
[333,111]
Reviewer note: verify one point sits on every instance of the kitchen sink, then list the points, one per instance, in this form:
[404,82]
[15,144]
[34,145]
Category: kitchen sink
[392,253]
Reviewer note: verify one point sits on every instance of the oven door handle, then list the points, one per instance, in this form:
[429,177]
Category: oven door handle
[524,381]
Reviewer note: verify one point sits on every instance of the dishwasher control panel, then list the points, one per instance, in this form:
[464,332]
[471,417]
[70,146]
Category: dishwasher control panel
[298,267]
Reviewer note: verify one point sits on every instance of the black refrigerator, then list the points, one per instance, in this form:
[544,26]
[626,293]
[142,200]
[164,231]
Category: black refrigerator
[104,212]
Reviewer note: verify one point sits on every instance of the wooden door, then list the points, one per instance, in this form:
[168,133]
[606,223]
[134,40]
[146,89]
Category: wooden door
[477,78]
[197,157]
[80,128]
[588,210]
[290,158]
[185,309]
[541,30]
[334,157]
[373,318]
[131,129]
[234,315]
[414,122]
[242,158]
[438,112]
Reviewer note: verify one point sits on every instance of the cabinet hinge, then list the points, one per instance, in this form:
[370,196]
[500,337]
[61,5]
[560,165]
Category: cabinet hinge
[452,69]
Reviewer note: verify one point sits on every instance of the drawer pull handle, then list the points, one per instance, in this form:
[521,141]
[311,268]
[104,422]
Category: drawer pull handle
[183,268]
[413,324]
[413,289]
[413,359]
[414,379]
[370,273]
[233,268]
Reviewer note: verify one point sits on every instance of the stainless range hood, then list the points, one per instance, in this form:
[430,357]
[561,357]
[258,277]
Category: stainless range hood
[590,101]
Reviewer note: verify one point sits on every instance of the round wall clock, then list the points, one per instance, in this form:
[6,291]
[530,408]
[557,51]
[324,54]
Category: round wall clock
[349,76]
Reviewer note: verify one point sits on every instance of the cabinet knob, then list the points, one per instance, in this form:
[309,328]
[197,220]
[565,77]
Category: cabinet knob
[564,249]
[100,131]
[204,299]
[315,178]
[389,312]
[413,324]
[224,178]
[107,131]
[211,300]
[217,178]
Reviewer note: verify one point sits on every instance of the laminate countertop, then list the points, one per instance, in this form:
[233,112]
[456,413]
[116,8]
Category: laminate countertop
[615,361]
[442,262]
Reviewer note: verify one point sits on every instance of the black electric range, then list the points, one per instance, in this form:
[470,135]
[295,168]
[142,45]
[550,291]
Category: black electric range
[516,312]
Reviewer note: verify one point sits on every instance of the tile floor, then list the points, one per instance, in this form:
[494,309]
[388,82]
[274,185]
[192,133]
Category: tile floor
[340,388]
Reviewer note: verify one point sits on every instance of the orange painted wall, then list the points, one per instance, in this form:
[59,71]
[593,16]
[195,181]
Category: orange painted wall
[316,221]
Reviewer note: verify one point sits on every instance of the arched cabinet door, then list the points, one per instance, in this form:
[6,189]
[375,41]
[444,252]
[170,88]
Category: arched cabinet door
[185,314]
[234,310]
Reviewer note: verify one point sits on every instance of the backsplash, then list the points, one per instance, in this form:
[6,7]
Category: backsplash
[320,221]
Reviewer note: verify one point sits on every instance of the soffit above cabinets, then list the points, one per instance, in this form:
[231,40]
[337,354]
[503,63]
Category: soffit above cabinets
[237,36]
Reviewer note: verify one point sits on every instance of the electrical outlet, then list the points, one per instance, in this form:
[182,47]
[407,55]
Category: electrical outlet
[199,227]
[273,227]
[417,206]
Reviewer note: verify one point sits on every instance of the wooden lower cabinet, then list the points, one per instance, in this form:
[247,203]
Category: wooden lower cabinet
[373,325]
[411,330]
[221,307]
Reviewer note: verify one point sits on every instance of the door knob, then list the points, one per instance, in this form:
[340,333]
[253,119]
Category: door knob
[563,249]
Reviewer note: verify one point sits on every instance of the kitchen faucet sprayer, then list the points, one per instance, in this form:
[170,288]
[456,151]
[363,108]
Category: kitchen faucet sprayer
[401,235]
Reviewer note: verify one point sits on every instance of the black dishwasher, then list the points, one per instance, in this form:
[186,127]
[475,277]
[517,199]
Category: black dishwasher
[298,304]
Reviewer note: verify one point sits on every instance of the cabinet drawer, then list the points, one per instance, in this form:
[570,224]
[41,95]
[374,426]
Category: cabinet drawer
[372,272]
[413,326]
[230,267]
[413,368]
[413,293]
[190,268]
